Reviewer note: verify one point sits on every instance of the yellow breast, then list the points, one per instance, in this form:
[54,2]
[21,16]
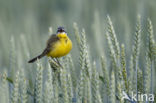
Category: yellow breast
[61,48]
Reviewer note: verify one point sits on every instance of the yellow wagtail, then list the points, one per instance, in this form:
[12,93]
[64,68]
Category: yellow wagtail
[58,45]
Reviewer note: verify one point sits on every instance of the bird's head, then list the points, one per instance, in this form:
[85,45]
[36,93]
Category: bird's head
[61,32]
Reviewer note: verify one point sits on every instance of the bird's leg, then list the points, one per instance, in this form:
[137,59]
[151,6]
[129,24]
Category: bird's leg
[58,62]
[54,60]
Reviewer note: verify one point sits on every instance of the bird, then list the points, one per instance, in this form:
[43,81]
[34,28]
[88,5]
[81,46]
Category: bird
[58,45]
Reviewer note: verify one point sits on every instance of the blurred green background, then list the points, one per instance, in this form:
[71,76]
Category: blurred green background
[28,21]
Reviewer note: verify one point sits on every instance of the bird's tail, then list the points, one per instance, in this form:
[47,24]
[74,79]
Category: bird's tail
[38,57]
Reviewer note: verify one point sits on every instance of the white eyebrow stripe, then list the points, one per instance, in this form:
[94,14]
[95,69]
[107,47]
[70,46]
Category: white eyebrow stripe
[62,33]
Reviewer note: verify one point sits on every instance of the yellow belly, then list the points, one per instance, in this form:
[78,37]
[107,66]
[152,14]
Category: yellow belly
[60,48]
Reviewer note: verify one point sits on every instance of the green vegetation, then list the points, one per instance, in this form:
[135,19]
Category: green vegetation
[111,54]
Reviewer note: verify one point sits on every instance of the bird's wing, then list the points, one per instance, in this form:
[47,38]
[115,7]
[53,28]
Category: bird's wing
[53,39]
